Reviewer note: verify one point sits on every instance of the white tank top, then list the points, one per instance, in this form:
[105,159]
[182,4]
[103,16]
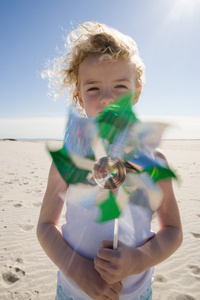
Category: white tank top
[84,235]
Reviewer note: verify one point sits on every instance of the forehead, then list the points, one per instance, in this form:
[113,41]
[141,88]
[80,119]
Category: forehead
[94,67]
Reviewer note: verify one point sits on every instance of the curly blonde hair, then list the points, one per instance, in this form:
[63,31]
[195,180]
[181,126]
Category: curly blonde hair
[91,39]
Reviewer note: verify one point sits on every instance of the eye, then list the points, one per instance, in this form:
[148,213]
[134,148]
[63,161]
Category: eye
[93,89]
[121,86]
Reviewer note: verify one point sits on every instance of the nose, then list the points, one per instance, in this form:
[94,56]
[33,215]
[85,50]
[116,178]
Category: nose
[107,98]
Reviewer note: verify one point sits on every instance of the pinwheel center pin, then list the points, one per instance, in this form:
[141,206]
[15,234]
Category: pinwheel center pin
[109,172]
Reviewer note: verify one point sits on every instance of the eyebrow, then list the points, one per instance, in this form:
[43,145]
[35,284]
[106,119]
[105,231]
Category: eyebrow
[122,79]
[88,82]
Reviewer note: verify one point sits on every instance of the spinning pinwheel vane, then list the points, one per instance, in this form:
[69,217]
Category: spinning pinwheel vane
[114,152]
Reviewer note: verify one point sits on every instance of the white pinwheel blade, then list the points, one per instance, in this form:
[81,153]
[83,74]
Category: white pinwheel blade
[102,195]
[98,148]
[118,147]
[88,195]
[82,163]
[147,135]
[122,198]
[151,190]
[79,134]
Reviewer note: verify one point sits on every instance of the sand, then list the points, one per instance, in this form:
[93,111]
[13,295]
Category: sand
[27,273]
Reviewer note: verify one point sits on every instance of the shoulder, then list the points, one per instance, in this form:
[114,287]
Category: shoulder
[159,153]
[160,156]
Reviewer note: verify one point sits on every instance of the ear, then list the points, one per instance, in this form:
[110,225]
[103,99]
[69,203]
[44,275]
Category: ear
[80,100]
[137,94]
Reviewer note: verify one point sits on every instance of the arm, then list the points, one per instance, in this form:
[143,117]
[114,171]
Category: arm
[115,265]
[74,266]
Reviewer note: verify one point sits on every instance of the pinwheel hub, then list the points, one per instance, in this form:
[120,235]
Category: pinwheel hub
[109,172]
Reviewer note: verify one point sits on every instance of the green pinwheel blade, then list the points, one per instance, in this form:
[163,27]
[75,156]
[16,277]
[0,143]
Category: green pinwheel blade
[66,167]
[109,209]
[160,173]
[116,117]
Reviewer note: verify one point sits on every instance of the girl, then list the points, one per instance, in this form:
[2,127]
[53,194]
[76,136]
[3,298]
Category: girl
[101,65]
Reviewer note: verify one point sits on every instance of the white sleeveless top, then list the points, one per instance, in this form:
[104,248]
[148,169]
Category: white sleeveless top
[84,235]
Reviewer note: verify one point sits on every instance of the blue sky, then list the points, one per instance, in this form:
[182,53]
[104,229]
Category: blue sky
[167,34]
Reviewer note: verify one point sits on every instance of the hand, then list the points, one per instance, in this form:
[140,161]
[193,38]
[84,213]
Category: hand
[115,265]
[94,286]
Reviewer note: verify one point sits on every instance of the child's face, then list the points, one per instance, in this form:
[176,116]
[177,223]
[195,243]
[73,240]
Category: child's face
[100,83]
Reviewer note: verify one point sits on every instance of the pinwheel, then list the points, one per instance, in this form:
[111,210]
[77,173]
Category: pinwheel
[113,154]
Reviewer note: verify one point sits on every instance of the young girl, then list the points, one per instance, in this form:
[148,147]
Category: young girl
[101,65]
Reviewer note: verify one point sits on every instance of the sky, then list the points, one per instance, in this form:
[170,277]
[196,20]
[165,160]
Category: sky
[167,35]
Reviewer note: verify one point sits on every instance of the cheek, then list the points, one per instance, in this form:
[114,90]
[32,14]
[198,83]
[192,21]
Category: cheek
[91,109]
[91,101]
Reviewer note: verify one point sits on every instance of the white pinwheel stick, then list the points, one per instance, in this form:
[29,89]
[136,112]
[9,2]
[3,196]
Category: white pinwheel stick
[122,200]
[99,151]
[116,230]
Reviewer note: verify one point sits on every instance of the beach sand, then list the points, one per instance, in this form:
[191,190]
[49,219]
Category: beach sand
[27,273]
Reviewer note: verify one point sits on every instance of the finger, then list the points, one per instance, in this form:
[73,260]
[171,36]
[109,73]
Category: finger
[108,277]
[107,244]
[104,264]
[102,272]
[111,294]
[117,287]
[108,254]
[105,298]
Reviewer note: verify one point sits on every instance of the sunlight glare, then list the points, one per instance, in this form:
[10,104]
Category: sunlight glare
[183,8]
